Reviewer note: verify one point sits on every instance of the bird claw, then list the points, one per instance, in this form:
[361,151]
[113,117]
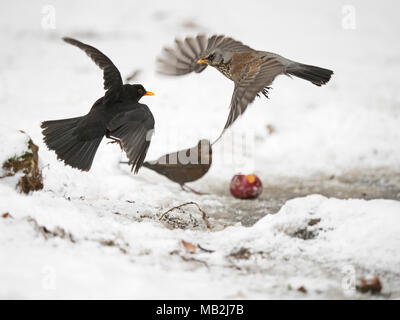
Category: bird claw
[189,189]
[116,141]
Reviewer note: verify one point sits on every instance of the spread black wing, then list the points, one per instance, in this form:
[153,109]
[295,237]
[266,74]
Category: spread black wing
[134,128]
[112,77]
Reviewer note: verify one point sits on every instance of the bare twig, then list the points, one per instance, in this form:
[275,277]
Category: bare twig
[194,260]
[188,259]
[185,204]
[205,250]
[9,174]
[47,234]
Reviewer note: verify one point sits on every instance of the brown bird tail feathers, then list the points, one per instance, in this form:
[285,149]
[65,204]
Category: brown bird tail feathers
[315,75]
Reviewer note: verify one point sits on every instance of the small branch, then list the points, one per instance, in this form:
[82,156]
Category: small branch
[9,174]
[194,260]
[205,250]
[186,204]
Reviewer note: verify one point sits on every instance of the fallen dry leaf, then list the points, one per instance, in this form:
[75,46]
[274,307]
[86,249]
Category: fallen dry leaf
[270,128]
[314,221]
[190,247]
[302,289]
[374,285]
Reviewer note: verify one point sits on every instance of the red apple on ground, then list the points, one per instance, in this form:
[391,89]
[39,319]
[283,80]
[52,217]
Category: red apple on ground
[246,186]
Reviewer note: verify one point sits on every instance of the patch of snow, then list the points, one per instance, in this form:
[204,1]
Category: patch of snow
[14,143]
[143,259]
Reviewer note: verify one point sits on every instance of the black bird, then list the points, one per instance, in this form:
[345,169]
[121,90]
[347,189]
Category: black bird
[252,71]
[184,166]
[117,115]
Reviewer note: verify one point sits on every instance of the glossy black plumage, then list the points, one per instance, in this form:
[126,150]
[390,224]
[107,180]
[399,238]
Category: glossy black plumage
[117,115]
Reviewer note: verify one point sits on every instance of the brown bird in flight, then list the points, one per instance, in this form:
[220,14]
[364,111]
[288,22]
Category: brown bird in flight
[184,166]
[252,71]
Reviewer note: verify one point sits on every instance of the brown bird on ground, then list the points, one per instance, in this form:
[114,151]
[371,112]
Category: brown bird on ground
[185,165]
[252,71]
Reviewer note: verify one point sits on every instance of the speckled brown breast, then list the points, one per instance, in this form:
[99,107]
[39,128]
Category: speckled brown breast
[225,69]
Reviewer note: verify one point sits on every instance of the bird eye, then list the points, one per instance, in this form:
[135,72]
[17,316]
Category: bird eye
[211,57]
[140,91]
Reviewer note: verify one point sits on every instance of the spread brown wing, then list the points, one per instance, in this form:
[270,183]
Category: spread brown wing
[253,81]
[134,129]
[112,77]
[182,59]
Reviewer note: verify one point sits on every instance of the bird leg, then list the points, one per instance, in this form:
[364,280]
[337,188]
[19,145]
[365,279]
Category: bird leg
[114,140]
[189,189]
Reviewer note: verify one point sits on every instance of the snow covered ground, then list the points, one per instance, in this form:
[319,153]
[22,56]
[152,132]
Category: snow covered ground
[330,166]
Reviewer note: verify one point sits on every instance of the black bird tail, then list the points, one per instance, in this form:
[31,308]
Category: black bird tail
[61,136]
[315,75]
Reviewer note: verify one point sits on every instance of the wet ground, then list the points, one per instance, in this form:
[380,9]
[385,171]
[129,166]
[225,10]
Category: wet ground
[356,184]
[223,210]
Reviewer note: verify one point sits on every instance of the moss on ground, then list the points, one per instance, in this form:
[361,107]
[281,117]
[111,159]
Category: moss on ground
[28,163]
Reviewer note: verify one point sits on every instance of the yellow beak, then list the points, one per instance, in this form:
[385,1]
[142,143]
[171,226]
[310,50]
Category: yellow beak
[149,93]
[201,61]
